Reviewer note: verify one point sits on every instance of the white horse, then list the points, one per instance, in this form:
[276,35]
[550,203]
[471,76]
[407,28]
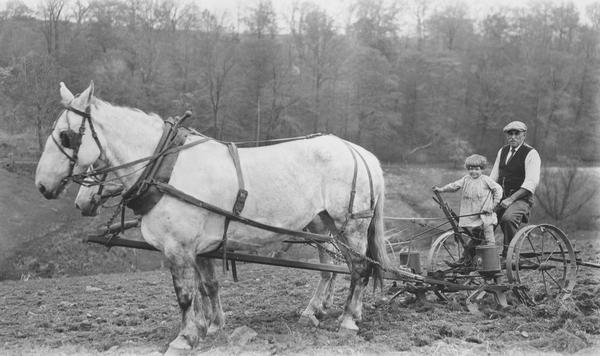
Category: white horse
[91,197]
[289,185]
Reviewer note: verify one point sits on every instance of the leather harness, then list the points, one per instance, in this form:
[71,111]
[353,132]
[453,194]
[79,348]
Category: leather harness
[157,185]
[153,182]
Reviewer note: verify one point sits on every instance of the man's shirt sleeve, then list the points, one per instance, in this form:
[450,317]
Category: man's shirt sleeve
[533,167]
[494,172]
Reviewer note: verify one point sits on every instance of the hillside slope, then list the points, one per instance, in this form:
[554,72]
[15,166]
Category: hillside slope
[26,215]
[43,238]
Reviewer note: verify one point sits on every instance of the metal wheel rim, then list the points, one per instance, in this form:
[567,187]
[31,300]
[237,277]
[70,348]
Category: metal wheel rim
[441,244]
[542,262]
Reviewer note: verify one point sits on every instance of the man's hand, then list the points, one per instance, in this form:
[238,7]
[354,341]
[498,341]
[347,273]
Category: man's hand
[435,189]
[506,202]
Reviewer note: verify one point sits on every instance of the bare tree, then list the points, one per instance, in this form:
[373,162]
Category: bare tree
[315,43]
[262,20]
[15,9]
[217,59]
[33,80]
[51,13]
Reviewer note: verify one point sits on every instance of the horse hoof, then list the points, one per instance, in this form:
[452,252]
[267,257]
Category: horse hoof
[348,332]
[212,330]
[178,347]
[348,326]
[173,351]
[307,319]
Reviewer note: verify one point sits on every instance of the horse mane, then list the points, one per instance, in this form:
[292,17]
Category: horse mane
[118,110]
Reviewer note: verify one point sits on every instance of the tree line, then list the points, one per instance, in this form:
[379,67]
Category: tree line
[414,81]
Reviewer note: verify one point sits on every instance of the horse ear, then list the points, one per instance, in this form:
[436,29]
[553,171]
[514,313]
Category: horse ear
[88,93]
[65,94]
[91,87]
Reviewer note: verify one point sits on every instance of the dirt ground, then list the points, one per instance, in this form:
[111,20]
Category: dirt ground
[136,313]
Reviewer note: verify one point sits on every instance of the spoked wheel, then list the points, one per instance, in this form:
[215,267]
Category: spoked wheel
[449,248]
[541,261]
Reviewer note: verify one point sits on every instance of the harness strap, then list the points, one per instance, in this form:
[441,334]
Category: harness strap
[365,214]
[369,175]
[240,200]
[354,176]
[238,206]
[307,236]
[88,116]
[167,151]
[73,159]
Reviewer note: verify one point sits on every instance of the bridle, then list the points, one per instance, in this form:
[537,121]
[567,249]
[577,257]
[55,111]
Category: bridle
[70,139]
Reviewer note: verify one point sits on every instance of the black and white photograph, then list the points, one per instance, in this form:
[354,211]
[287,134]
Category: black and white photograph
[300,177]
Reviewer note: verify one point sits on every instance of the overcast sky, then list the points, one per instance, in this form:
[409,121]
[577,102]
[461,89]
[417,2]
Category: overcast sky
[336,7]
[339,8]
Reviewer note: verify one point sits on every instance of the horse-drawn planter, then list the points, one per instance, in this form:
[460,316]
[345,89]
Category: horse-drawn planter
[199,199]
[543,263]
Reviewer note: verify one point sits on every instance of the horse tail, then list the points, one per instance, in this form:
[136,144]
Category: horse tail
[376,243]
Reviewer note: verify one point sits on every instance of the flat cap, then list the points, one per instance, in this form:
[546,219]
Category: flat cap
[515,125]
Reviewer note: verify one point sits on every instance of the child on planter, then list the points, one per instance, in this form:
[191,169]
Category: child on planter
[480,196]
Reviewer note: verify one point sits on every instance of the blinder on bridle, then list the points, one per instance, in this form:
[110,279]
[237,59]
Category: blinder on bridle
[70,139]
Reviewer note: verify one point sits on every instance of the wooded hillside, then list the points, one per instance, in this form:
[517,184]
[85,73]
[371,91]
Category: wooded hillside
[413,82]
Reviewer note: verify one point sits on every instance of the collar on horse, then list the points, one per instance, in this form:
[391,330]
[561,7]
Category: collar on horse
[144,195]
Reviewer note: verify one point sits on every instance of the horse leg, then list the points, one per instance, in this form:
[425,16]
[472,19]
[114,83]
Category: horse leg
[323,295]
[211,286]
[359,278]
[331,228]
[329,294]
[185,275]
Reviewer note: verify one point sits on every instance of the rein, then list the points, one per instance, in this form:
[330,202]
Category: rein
[79,177]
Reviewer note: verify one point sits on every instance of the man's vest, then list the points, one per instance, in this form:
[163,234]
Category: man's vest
[512,174]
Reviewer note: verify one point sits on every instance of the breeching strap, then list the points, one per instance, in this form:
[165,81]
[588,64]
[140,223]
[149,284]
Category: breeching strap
[366,213]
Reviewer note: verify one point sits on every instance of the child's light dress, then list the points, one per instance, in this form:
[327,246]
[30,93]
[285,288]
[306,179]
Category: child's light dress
[480,194]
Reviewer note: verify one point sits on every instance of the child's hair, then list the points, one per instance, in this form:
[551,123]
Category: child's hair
[476,161]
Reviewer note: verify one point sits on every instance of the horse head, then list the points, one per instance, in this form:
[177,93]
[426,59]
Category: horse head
[73,144]
[91,197]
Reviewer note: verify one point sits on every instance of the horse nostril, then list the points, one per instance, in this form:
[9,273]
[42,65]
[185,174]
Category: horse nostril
[45,192]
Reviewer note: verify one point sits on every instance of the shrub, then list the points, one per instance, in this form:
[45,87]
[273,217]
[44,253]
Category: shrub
[565,190]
